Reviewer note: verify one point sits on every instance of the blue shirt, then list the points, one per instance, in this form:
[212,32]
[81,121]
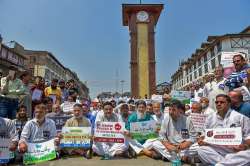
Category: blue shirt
[244,109]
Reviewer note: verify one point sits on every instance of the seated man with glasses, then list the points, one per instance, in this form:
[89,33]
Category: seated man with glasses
[225,117]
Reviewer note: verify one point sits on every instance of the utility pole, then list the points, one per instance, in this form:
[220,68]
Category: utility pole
[116,80]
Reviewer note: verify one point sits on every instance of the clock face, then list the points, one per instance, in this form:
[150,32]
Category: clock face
[142,16]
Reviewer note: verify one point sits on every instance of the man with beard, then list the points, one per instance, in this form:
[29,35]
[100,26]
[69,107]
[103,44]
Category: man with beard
[177,134]
[138,116]
[54,92]
[230,155]
[37,130]
[205,106]
[64,91]
[108,150]
[21,119]
[78,120]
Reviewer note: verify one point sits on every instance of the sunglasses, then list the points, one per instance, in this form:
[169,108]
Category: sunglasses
[222,102]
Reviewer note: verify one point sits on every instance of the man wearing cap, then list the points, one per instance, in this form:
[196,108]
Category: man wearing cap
[54,92]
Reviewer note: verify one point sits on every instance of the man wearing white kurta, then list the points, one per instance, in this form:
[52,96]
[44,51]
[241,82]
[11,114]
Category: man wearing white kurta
[225,117]
[177,134]
[215,87]
[108,150]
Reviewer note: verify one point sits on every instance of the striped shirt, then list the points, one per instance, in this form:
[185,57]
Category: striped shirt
[35,133]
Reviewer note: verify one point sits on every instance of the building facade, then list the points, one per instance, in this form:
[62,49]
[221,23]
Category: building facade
[208,56]
[11,56]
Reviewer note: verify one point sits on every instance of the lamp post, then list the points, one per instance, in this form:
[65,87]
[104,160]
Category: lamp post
[122,83]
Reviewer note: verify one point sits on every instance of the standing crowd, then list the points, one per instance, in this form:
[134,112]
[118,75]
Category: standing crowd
[27,112]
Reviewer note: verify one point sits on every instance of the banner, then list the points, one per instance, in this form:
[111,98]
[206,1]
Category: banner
[183,96]
[143,130]
[60,121]
[40,152]
[224,136]
[68,106]
[5,154]
[109,132]
[157,98]
[76,137]
[198,121]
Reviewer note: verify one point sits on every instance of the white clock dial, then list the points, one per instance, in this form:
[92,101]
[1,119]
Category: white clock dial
[142,16]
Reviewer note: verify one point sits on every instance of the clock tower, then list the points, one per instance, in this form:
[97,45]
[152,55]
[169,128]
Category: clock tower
[141,20]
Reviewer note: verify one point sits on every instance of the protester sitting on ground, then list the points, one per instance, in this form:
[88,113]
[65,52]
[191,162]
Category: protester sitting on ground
[238,104]
[108,150]
[177,134]
[86,113]
[225,117]
[54,92]
[205,106]
[139,116]
[64,91]
[21,119]
[78,120]
[40,129]
[196,107]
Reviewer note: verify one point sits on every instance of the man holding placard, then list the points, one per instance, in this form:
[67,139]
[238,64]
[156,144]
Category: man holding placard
[38,134]
[75,128]
[106,146]
[226,140]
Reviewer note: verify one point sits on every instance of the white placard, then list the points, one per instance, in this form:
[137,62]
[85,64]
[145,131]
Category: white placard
[37,94]
[68,106]
[198,121]
[223,136]
[157,98]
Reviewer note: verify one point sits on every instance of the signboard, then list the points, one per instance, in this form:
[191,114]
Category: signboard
[40,152]
[76,137]
[143,130]
[5,154]
[109,132]
[157,98]
[60,121]
[183,96]
[37,94]
[224,136]
[198,121]
[68,106]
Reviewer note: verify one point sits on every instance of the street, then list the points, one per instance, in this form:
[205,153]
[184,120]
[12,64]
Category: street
[140,161]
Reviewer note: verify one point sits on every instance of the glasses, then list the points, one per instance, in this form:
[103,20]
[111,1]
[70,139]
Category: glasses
[236,61]
[222,102]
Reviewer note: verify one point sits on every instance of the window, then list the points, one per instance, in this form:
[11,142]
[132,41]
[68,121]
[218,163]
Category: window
[212,53]
[213,63]
[205,58]
[199,62]
[219,46]
[187,80]
[200,71]
[206,68]
[195,75]
[190,77]
[219,58]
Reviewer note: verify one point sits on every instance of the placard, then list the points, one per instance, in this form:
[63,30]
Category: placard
[76,137]
[109,132]
[68,106]
[224,136]
[37,94]
[198,121]
[5,154]
[183,96]
[157,98]
[143,130]
[40,152]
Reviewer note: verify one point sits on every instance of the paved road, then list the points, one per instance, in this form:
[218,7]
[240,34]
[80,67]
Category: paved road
[140,161]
